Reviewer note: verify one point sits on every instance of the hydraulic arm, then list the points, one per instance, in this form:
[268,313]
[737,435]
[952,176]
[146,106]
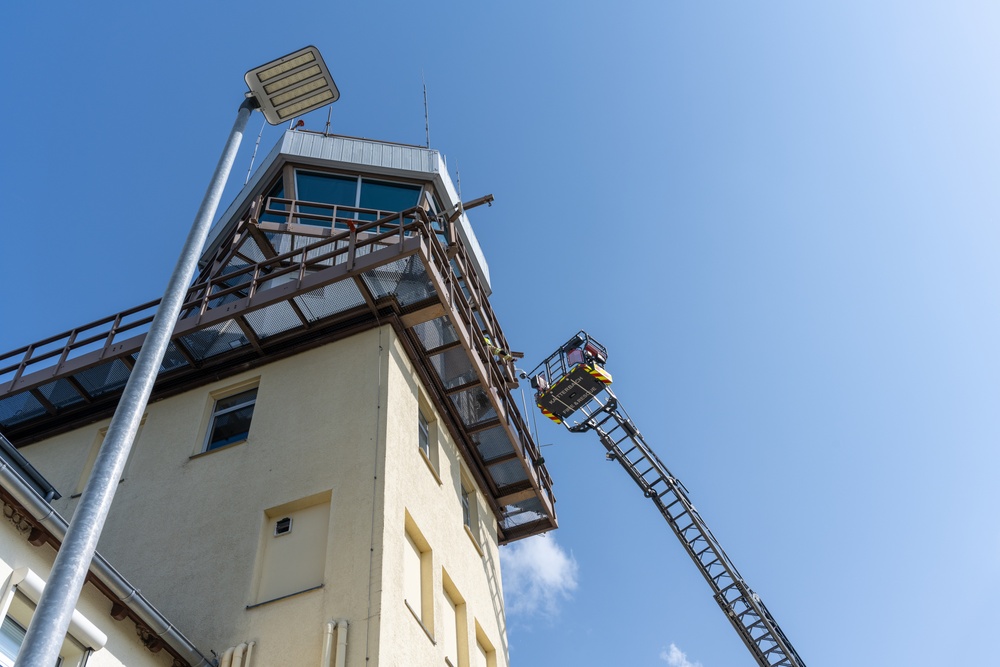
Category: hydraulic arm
[574,380]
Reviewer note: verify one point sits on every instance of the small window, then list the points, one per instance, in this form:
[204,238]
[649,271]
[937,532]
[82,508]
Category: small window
[466,512]
[11,638]
[18,597]
[230,421]
[418,575]
[470,507]
[424,434]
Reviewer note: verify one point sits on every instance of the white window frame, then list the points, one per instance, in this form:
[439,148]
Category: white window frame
[215,412]
[81,631]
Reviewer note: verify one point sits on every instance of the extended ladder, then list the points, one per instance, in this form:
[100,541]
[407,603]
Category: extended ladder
[566,387]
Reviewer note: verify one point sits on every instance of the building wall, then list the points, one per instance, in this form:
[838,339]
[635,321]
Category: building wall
[334,440]
[123,646]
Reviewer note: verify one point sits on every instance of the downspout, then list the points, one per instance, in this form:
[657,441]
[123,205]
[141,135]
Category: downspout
[239,654]
[342,642]
[334,657]
[327,659]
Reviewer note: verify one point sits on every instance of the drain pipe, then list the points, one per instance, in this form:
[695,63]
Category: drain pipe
[239,654]
[227,657]
[341,642]
[327,659]
[334,657]
[250,646]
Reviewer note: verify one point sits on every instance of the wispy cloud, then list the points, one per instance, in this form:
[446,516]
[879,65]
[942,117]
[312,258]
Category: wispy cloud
[675,657]
[537,575]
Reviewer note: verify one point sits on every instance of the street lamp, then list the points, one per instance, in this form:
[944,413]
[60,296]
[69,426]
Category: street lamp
[289,86]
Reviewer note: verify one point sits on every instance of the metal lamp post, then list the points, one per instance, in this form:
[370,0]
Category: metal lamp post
[284,88]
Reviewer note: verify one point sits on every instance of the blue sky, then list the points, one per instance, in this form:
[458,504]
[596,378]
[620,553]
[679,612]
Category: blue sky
[780,217]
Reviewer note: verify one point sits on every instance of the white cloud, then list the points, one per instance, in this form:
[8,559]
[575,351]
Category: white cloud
[537,574]
[675,657]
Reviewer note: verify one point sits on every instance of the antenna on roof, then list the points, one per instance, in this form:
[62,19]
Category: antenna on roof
[254,156]
[427,115]
[329,113]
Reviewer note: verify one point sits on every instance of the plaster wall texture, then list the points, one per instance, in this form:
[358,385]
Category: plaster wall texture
[123,646]
[339,423]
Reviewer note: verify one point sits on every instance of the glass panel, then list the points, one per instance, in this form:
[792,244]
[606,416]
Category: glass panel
[277,191]
[392,197]
[327,189]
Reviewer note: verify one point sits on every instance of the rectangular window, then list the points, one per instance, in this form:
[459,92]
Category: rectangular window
[470,507]
[230,422]
[449,623]
[424,434]
[325,189]
[417,575]
[484,655]
[18,597]
[454,625]
[11,638]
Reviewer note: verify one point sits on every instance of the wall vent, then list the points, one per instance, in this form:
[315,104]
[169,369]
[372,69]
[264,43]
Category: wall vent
[283,526]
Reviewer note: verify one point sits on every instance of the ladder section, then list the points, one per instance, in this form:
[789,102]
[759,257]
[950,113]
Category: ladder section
[744,608]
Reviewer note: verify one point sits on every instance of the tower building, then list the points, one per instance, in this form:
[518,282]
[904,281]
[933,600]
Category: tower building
[331,457]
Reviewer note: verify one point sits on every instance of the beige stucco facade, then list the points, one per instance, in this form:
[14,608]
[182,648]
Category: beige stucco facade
[333,446]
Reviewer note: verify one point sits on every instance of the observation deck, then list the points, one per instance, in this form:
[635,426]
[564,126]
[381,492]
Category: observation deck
[295,263]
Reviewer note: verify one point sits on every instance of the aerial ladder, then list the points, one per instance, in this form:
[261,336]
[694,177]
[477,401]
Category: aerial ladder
[573,379]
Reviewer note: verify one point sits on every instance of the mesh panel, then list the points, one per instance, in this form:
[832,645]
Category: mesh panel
[214,340]
[473,406]
[453,367]
[335,298]
[405,279]
[104,378]
[273,320]
[492,443]
[171,360]
[18,408]
[252,251]
[60,393]
[435,333]
[508,472]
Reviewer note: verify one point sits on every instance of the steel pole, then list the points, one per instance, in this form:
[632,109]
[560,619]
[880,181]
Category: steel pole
[50,621]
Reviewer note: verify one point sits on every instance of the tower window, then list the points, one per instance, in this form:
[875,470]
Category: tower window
[424,434]
[231,419]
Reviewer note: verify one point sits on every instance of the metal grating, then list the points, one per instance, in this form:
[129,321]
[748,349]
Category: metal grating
[453,367]
[19,408]
[492,443]
[60,393]
[214,340]
[329,300]
[172,360]
[508,472]
[473,406]
[435,333]
[273,320]
[406,279]
[104,379]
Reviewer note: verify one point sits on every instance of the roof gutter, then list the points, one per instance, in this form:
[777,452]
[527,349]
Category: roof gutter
[127,594]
